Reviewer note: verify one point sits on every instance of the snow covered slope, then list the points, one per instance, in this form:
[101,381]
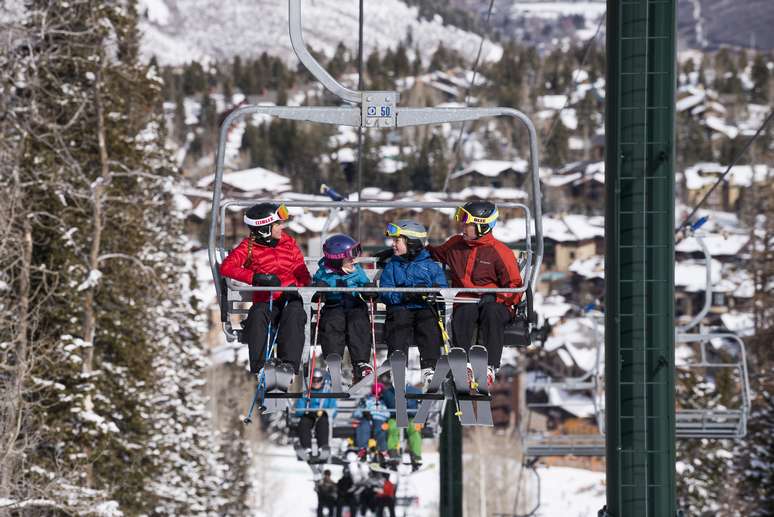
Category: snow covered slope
[565,491]
[177,31]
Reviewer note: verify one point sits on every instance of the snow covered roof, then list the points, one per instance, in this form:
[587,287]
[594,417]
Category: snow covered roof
[718,245]
[592,267]
[740,323]
[552,102]
[251,180]
[719,125]
[707,173]
[492,168]
[567,228]
[690,101]
[502,193]
[692,275]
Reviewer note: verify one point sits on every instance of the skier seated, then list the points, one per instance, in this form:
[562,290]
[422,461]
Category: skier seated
[408,314]
[372,416]
[493,265]
[270,257]
[326,495]
[313,413]
[413,433]
[344,318]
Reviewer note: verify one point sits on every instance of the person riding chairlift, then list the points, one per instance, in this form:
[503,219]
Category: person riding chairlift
[477,259]
[270,257]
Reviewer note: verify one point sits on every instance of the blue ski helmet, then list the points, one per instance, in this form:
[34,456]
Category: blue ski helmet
[415,234]
[339,247]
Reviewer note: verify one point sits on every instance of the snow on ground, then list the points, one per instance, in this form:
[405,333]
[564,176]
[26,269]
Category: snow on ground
[184,30]
[565,491]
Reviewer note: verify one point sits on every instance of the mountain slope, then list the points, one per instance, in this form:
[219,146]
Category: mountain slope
[177,31]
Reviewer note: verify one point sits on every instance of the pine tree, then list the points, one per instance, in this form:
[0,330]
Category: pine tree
[760,76]
[99,185]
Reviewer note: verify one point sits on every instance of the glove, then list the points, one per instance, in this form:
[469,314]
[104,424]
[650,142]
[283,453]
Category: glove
[369,295]
[341,283]
[414,298]
[487,298]
[259,279]
[383,256]
[318,296]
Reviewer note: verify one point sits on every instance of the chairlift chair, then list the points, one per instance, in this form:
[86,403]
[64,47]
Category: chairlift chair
[537,444]
[363,109]
[717,422]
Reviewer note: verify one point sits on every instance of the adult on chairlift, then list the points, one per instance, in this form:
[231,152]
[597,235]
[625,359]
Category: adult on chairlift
[313,415]
[270,257]
[476,259]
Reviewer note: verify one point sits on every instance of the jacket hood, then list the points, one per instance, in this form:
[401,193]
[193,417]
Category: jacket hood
[485,240]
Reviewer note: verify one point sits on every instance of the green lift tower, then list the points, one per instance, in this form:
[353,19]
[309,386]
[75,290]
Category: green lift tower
[639,276]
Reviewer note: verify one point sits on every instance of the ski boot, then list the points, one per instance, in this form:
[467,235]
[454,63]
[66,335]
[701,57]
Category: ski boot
[427,377]
[361,370]
[490,376]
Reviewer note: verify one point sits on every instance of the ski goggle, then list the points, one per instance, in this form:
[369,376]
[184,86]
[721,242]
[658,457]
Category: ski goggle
[465,217]
[393,230]
[353,252]
[281,214]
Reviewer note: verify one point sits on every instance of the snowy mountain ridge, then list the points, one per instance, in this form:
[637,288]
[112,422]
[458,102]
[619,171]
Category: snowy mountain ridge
[179,31]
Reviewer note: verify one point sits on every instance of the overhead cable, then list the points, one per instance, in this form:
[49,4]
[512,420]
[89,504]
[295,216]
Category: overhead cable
[706,196]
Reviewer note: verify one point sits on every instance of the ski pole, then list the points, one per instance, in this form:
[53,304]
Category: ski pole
[444,334]
[267,352]
[373,342]
[249,418]
[314,353]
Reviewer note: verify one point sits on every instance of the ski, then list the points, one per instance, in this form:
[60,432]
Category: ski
[441,370]
[458,361]
[364,385]
[398,365]
[479,359]
[281,375]
[334,367]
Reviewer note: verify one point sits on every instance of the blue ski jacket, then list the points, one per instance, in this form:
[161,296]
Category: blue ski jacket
[368,404]
[357,278]
[302,407]
[388,397]
[401,272]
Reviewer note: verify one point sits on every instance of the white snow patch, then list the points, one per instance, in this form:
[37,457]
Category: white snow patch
[91,281]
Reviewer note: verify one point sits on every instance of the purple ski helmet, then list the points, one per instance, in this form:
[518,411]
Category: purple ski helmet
[339,247]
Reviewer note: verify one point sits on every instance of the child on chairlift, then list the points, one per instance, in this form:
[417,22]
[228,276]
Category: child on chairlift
[409,316]
[344,320]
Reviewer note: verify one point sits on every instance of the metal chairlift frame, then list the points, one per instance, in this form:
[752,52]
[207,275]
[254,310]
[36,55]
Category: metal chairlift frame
[689,423]
[713,423]
[371,109]
[540,444]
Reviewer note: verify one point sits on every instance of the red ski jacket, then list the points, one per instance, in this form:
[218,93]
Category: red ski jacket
[484,262]
[284,260]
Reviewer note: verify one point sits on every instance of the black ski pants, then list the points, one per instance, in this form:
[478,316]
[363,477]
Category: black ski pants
[326,502]
[490,318]
[310,421]
[349,327]
[402,324]
[287,321]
